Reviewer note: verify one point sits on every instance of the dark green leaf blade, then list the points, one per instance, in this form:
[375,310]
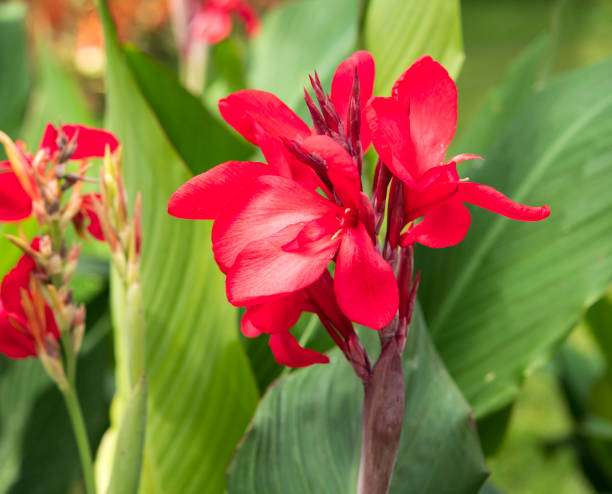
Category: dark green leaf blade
[201,140]
[305,437]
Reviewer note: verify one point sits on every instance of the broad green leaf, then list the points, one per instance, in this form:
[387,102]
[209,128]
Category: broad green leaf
[305,437]
[397,33]
[503,102]
[184,118]
[195,364]
[298,38]
[508,294]
[14,77]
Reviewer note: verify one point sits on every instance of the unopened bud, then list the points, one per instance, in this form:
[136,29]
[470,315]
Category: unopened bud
[49,356]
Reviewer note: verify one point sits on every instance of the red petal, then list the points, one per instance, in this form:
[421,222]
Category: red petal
[203,197]
[341,168]
[342,86]
[14,343]
[390,129]
[287,351]
[94,227]
[285,164]
[436,185]
[90,142]
[245,109]
[444,226]
[264,269]
[247,327]
[211,25]
[277,315]
[364,282]
[15,203]
[16,279]
[267,206]
[429,94]
[488,198]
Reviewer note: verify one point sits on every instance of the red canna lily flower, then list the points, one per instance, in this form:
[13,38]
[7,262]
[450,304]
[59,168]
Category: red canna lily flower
[212,22]
[411,131]
[278,237]
[24,329]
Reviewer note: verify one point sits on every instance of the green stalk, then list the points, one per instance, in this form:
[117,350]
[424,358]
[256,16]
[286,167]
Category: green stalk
[80,433]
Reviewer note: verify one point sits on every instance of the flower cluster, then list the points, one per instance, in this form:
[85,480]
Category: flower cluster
[36,305]
[279,226]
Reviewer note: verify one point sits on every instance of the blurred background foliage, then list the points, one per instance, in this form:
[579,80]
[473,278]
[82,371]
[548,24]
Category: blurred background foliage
[554,435]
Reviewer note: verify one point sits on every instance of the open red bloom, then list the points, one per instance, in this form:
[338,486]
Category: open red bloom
[21,333]
[411,131]
[212,23]
[278,237]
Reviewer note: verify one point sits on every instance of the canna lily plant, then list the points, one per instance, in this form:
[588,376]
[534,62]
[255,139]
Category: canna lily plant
[299,233]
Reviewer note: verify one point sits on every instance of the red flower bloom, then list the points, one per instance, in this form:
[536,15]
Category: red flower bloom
[213,22]
[23,331]
[411,131]
[278,237]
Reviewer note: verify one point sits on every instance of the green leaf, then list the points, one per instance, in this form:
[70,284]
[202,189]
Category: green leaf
[397,33]
[130,442]
[305,437]
[184,118]
[599,320]
[194,358]
[494,112]
[509,293]
[14,77]
[298,38]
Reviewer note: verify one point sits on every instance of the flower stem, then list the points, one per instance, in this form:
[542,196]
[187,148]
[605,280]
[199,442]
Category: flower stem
[80,433]
[383,414]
